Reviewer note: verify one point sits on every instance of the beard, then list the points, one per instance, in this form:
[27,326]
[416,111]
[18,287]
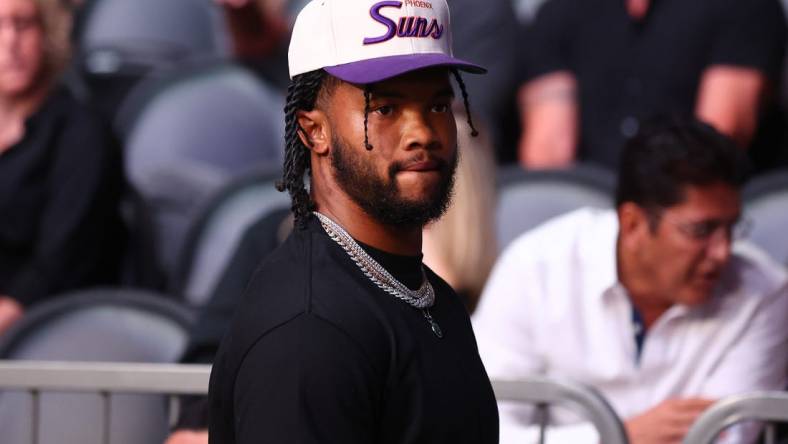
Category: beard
[381,198]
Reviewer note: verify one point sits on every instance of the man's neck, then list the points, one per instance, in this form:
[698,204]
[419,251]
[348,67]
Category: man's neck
[649,311]
[361,226]
[636,282]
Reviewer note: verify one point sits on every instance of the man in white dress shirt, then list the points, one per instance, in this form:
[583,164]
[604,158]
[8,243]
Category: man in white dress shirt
[653,304]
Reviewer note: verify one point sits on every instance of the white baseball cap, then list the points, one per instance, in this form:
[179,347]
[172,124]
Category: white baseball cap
[366,41]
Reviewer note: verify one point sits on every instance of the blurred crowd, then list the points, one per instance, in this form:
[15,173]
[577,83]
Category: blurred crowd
[124,122]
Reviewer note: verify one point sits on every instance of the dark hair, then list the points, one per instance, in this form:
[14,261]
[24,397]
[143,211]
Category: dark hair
[670,153]
[302,94]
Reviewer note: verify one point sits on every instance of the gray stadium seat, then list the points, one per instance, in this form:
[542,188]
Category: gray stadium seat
[98,325]
[188,136]
[766,206]
[122,35]
[119,42]
[529,198]
[214,237]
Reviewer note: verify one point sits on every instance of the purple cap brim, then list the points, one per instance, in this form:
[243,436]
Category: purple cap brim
[382,68]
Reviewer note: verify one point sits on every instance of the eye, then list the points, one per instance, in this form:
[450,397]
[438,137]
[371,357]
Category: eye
[384,110]
[702,230]
[440,108]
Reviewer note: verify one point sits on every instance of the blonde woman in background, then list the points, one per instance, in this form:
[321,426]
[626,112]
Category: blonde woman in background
[461,247]
[59,171]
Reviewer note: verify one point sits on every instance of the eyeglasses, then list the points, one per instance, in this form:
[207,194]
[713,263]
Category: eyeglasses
[706,231]
[20,23]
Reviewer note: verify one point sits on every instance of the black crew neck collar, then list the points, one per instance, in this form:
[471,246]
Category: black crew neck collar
[406,269]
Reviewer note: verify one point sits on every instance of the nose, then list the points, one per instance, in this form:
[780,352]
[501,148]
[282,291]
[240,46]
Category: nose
[8,35]
[720,245]
[418,131]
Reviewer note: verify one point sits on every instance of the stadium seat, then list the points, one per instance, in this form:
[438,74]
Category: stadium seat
[120,41]
[188,136]
[529,198]
[765,203]
[214,237]
[106,325]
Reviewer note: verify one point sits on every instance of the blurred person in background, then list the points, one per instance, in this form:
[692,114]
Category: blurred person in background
[461,246]
[489,33]
[259,31]
[595,69]
[652,304]
[59,170]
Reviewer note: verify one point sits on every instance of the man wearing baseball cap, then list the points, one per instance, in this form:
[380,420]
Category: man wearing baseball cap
[343,335]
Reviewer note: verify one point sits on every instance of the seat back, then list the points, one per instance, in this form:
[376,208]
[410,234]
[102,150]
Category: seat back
[105,325]
[529,198]
[118,42]
[188,136]
[215,235]
[131,35]
[765,203]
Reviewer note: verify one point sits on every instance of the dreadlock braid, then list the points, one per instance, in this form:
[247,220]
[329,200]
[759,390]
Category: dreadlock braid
[460,82]
[367,95]
[301,95]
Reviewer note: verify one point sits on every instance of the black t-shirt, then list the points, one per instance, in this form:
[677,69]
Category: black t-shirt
[318,354]
[628,71]
[59,190]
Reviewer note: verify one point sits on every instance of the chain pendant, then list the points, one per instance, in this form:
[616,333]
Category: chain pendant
[422,298]
[436,329]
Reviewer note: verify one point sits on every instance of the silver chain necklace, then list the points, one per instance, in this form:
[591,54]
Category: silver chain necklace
[422,299]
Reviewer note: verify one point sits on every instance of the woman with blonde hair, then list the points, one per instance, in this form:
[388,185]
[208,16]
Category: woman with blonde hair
[461,246]
[59,171]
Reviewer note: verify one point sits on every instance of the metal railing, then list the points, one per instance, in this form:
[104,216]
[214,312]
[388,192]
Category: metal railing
[107,379]
[763,406]
[177,379]
[543,392]
[104,379]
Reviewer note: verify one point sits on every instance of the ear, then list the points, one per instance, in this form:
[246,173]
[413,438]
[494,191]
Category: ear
[633,223]
[314,132]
